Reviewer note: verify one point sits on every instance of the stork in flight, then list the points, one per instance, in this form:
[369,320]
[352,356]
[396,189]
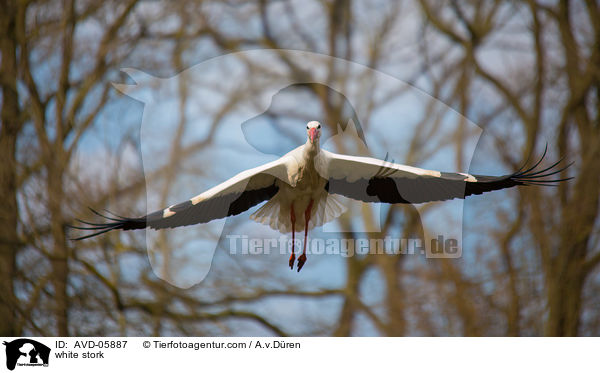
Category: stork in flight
[301,191]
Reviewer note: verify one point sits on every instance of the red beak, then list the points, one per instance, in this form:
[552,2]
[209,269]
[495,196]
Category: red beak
[313,134]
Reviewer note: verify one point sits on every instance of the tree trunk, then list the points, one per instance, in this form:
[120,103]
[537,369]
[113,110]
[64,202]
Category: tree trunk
[349,309]
[568,273]
[60,267]
[10,127]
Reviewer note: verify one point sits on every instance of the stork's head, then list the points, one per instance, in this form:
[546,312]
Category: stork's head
[313,130]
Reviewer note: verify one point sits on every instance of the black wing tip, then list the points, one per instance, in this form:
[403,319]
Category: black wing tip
[535,176]
[117,222]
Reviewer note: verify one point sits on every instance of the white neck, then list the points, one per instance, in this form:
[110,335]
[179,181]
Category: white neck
[311,149]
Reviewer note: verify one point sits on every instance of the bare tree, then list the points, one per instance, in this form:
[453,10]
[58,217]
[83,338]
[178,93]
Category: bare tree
[532,271]
[9,132]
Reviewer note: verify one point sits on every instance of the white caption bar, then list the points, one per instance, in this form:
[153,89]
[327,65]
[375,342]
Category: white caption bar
[44,355]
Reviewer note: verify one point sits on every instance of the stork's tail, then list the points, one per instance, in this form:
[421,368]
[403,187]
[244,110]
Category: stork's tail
[326,208]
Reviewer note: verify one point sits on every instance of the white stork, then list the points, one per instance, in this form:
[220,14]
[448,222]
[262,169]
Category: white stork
[301,187]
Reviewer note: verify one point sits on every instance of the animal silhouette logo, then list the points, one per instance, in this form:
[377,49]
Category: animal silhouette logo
[219,94]
[26,352]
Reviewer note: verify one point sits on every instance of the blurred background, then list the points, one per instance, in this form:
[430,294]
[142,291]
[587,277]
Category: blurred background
[526,73]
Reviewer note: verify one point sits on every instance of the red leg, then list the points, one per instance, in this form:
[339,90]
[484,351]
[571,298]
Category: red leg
[293,219]
[302,258]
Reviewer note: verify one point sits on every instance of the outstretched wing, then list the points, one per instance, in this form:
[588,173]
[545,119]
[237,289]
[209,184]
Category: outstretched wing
[232,197]
[374,180]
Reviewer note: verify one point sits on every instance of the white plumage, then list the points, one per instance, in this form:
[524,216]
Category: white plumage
[302,190]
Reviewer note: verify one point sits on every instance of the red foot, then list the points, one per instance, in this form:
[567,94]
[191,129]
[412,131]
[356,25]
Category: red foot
[293,220]
[301,261]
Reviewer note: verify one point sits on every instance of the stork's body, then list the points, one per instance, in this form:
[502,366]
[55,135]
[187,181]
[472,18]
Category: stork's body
[302,188]
[297,195]
[304,185]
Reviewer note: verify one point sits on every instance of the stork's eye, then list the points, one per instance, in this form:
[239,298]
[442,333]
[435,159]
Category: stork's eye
[319,126]
[306,127]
